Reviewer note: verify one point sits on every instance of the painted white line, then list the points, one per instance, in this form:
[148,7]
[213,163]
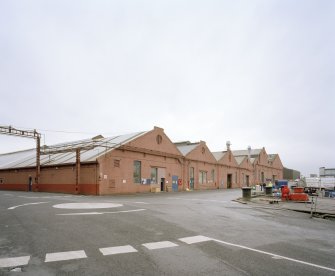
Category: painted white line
[275,256]
[87,205]
[159,245]
[117,250]
[33,203]
[63,256]
[9,262]
[8,195]
[195,239]
[127,211]
[100,213]
[80,214]
[199,199]
[140,202]
[52,197]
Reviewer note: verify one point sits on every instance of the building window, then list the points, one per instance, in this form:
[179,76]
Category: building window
[154,172]
[2,181]
[191,172]
[116,163]
[213,175]
[242,178]
[159,139]
[202,177]
[137,172]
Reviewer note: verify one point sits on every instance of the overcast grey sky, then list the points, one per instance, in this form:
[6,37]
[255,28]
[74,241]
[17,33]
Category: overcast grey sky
[258,73]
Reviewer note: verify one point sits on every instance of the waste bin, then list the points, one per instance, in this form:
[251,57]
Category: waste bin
[246,193]
[268,190]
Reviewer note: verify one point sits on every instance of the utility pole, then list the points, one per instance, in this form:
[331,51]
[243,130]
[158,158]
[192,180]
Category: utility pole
[9,130]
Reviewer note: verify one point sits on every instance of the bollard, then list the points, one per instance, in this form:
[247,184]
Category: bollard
[268,191]
[246,193]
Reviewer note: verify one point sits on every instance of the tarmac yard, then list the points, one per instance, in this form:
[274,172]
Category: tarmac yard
[188,233]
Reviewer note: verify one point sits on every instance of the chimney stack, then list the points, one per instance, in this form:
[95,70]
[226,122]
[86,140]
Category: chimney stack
[249,152]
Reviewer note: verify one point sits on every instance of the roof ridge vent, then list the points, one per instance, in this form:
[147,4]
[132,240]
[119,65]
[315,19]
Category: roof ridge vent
[98,137]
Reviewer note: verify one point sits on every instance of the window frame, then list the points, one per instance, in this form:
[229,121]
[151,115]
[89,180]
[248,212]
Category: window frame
[202,177]
[137,172]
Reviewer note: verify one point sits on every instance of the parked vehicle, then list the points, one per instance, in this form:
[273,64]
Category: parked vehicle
[319,183]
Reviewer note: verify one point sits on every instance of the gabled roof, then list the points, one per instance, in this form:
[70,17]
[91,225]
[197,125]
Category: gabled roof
[253,152]
[219,154]
[186,147]
[272,157]
[240,159]
[99,146]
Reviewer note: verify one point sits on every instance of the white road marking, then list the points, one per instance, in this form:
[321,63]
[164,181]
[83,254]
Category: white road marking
[101,213]
[32,203]
[199,199]
[275,256]
[117,250]
[159,245]
[10,262]
[126,211]
[87,205]
[8,195]
[63,256]
[80,214]
[195,239]
[56,197]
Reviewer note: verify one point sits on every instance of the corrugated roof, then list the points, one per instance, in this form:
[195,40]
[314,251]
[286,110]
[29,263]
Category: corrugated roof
[27,158]
[239,159]
[186,147]
[253,152]
[219,154]
[271,157]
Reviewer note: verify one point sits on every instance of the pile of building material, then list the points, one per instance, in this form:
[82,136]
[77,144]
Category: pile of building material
[297,195]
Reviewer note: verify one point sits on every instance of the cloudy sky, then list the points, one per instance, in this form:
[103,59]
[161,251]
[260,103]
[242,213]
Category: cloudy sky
[258,73]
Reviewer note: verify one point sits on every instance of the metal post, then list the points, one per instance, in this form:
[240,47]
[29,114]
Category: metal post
[38,162]
[77,170]
[313,204]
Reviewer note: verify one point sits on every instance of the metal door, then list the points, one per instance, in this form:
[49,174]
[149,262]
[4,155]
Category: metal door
[175,183]
[192,184]
[30,184]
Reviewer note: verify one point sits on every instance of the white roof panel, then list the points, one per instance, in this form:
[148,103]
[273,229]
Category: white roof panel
[27,158]
[186,149]
[219,154]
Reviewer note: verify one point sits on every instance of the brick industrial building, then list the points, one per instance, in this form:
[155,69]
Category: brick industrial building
[133,163]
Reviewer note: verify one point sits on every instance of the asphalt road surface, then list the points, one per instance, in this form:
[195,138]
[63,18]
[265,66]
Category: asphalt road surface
[188,233]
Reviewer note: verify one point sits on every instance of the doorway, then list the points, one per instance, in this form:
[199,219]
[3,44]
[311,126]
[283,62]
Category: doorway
[191,187]
[30,184]
[229,181]
[162,184]
[192,184]
[174,183]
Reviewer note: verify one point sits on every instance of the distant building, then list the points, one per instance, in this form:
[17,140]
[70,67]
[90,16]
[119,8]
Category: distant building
[266,167]
[291,174]
[327,172]
[140,162]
